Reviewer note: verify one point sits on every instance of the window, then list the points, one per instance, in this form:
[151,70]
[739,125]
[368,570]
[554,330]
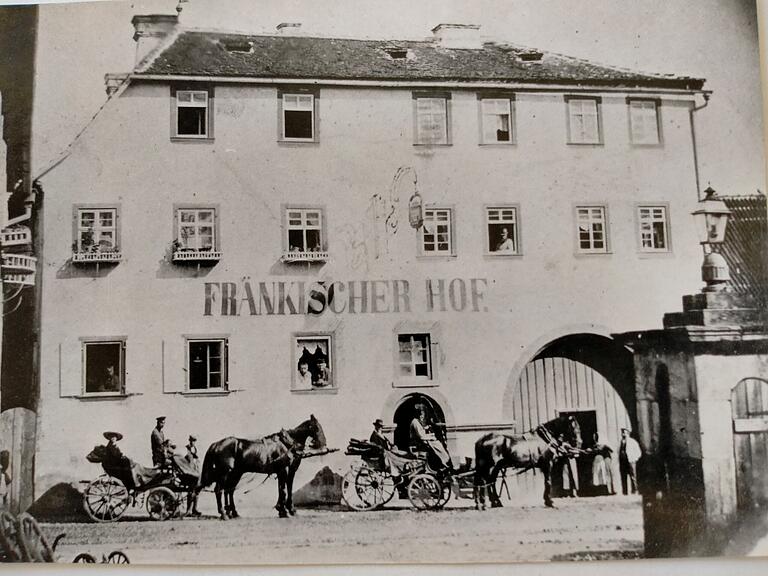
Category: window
[501,224]
[497,120]
[584,121]
[431,120]
[104,367]
[592,230]
[313,363]
[306,240]
[192,114]
[437,232]
[207,364]
[644,122]
[654,233]
[196,234]
[96,234]
[414,356]
[298,117]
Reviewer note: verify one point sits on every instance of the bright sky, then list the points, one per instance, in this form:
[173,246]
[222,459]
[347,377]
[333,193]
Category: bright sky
[714,39]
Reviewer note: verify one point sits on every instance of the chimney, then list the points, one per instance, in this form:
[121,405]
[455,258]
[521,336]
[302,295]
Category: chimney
[289,28]
[151,30]
[461,36]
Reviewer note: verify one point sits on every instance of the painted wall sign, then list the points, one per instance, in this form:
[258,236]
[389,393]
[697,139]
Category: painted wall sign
[246,298]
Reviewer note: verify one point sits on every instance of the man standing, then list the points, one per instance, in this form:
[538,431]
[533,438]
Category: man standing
[629,454]
[158,443]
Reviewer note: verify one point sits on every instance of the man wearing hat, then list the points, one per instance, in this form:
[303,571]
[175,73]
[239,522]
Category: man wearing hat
[158,443]
[377,436]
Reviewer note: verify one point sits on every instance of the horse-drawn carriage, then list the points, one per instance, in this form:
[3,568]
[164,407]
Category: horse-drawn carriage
[374,480]
[162,490]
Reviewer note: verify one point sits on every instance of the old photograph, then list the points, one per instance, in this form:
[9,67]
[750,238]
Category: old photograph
[382,282]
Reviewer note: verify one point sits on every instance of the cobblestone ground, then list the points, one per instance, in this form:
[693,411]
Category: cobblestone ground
[607,527]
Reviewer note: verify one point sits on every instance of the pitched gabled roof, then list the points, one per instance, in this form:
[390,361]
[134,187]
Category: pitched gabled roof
[216,54]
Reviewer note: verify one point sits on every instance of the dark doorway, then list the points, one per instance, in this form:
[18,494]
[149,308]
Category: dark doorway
[406,412]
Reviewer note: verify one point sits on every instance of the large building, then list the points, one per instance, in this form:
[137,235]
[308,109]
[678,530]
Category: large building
[259,228]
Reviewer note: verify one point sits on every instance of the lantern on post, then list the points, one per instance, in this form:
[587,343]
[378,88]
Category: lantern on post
[711,219]
[415,211]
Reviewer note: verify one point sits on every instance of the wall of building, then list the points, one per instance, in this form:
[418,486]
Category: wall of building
[126,157]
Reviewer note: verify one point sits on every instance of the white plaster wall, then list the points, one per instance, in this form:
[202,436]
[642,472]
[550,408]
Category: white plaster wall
[127,157]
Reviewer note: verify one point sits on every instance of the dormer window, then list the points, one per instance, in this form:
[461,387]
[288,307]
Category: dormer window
[530,56]
[396,52]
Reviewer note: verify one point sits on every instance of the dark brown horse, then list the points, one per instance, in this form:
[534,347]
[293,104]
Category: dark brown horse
[538,448]
[280,454]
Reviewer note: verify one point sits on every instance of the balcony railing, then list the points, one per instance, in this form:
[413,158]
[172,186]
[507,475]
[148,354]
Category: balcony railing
[196,256]
[289,257]
[21,279]
[18,264]
[97,257]
[19,236]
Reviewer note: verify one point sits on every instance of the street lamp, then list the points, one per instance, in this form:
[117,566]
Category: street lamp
[711,219]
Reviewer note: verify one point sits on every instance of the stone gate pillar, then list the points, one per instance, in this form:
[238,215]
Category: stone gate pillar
[684,376]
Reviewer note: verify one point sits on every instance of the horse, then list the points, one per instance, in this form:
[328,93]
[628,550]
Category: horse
[538,448]
[280,454]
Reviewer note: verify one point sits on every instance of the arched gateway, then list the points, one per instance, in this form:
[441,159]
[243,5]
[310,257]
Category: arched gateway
[588,376]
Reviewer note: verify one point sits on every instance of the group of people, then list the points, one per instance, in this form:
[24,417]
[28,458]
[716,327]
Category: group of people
[163,458]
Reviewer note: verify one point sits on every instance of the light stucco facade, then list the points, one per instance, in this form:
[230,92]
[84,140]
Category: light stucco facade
[360,172]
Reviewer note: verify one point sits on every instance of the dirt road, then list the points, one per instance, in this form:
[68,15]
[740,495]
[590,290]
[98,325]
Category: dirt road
[586,526]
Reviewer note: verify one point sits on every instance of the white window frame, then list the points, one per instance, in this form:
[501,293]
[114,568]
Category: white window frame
[413,361]
[288,106]
[97,228]
[649,220]
[513,221]
[112,340]
[178,104]
[223,368]
[586,213]
[328,337]
[304,226]
[506,103]
[213,224]
[577,129]
[430,213]
[640,120]
[443,111]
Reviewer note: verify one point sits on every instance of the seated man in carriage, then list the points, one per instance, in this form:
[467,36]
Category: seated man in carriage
[423,438]
[116,464]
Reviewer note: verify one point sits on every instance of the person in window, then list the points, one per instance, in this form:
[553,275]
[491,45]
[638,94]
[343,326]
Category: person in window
[323,375]
[157,439]
[377,436]
[422,438]
[111,382]
[505,244]
[304,380]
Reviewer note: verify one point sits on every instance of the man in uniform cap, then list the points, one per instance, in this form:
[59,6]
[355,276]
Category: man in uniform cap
[158,443]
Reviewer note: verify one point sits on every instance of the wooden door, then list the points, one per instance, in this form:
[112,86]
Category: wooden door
[749,404]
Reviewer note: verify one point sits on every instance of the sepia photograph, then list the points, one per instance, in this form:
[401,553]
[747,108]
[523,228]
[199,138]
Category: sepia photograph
[357,282]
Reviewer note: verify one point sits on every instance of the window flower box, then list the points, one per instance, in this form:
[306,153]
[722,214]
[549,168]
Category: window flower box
[299,256]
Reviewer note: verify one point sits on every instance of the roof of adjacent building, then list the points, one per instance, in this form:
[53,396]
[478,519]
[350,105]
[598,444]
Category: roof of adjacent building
[217,54]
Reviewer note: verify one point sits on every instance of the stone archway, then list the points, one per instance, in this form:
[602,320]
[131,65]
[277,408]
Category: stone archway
[406,411]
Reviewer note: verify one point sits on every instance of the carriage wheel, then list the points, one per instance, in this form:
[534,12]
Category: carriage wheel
[10,549]
[117,557]
[106,499]
[348,492]
[34,547]
[161,503]
[374,487]
[426,492]
[84,558]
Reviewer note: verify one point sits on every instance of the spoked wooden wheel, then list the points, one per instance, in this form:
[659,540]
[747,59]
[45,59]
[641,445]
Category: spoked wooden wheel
[161,503]
[426,492]
[84,558]
[364,488]
[106,499]
[34,547]
[117,557]
[10,549]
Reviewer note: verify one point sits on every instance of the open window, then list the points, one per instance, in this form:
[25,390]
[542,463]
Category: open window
[96,234]
[103,368]
[192,113]
[207,365]
[304,235]
[313,363]
[298,115]
[197,237]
